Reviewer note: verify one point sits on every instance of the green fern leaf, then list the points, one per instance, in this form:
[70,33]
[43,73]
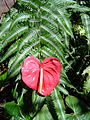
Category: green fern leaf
[52,34]
[66,22]
[86,23]
[61,23]
[28,38]
[20,18]
[4,28]
[19,58]
[10,51]
[13,36]
[56,48]
[51,21]
[28,2]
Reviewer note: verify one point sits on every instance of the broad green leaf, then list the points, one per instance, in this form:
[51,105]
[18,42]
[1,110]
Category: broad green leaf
[12,108]
[3,76]
[80,110]
[44,114]
[59,104]
[51,107]
[87,82]
[37,103]
[84,116]
[76,105]
[17,118]
[22,117]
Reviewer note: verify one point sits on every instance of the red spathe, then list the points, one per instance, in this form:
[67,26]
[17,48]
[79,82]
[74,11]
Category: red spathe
[42,77]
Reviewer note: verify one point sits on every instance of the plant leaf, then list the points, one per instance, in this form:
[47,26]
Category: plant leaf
[12,108]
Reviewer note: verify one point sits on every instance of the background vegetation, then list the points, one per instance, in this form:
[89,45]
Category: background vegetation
[43,28]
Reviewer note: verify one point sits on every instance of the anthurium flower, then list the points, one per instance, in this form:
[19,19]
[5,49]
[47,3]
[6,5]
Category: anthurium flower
[42,77]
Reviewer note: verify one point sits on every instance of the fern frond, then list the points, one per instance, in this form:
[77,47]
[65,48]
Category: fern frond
[52,34]
[28,38]
[15,72]
[86,23]
[54,46]
[4,28]
[14,35]
[8,17]
[28,2]
[67,2]
[66,41]
[46,52]
[20,18]
[51,21]
[66,22]
[20,57]
[13,48]
[78,8]
[57,17]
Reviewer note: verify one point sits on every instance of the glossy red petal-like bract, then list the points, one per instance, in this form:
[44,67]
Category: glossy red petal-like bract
[30,72]
[42,77]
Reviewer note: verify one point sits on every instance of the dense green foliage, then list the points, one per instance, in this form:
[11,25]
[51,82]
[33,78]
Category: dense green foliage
[43,28]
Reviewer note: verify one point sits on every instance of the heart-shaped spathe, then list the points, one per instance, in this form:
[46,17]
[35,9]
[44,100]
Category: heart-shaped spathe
[42,77]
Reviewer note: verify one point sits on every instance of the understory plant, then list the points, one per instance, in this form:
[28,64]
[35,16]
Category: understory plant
[45,28]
